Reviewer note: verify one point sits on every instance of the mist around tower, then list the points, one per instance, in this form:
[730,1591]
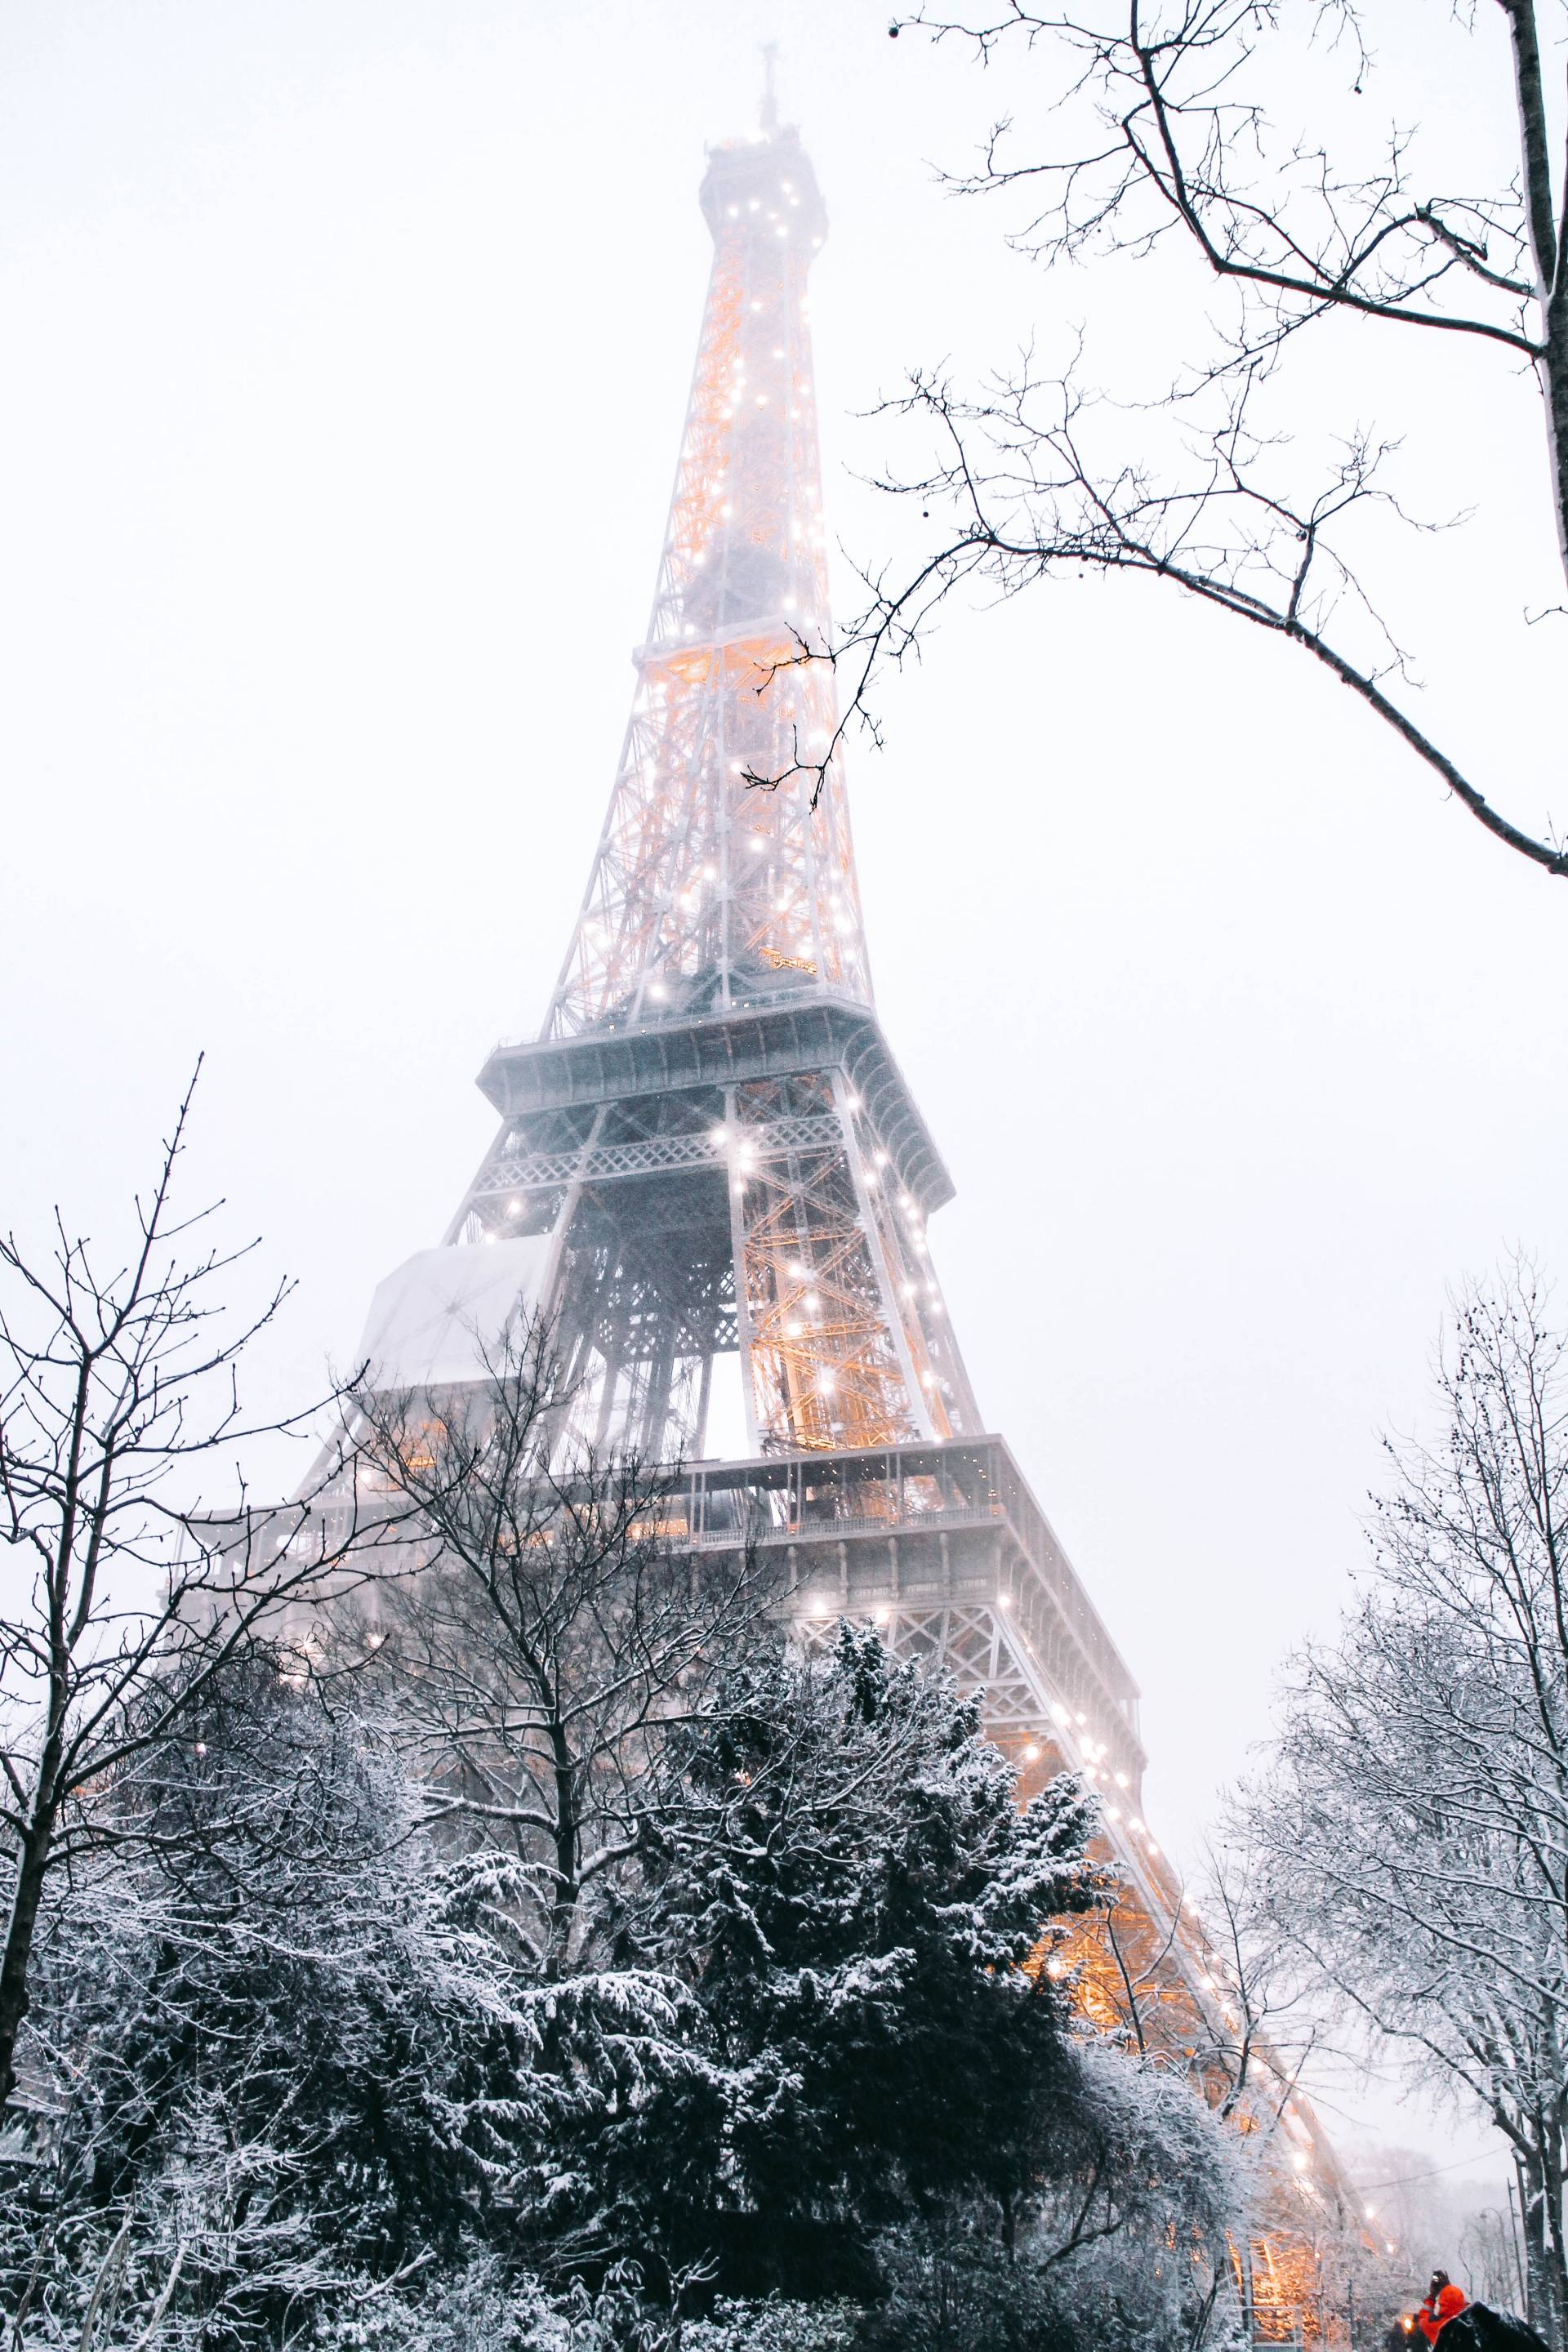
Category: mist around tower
[885,1666]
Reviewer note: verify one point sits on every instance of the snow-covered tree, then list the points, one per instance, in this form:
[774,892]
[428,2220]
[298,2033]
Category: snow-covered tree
[132,1562]
[1122,2246]
[1415,1826]
[282,2049]
[555,1634]
[837,1869]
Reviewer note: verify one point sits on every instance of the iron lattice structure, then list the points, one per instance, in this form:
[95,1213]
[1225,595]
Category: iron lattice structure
[710,1135]
[721,1160]
[709,1124]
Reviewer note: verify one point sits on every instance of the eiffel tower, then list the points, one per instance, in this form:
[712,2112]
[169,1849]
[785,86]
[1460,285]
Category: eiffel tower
[710,1169]
[711,1178]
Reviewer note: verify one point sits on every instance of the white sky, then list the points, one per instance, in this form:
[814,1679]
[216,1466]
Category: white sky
[347,345]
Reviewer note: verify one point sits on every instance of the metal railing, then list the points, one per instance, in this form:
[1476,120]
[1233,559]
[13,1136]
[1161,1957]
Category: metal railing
[807,1527]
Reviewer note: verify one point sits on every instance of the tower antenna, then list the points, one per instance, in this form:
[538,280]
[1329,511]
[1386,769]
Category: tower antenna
[769,89]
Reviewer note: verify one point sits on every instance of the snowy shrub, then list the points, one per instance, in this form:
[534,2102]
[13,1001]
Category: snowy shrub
[269,2038]
[774,2326]
[467,2306]
[954,2289]
[1120,2244]
[1143,2263]
[479,2310]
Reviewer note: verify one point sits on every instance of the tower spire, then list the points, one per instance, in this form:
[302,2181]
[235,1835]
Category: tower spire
[769,113]
[706,891]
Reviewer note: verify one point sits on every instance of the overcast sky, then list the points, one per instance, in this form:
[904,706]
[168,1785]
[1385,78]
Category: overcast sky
[347,344]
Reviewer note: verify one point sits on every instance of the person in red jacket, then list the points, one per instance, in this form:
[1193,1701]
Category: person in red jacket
[1443,2301]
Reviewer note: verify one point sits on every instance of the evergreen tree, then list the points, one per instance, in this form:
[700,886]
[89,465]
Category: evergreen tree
[838,1871]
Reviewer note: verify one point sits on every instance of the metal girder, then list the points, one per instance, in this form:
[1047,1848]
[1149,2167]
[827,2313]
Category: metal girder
[926,1530]
[825,1031]
[531,1171]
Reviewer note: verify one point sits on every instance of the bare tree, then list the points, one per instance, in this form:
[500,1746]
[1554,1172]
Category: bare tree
[1489,2251]
[1230,2014]
[559,1624]
[1168,153]
[125,1589]
[1260,2038]
[1414,1828]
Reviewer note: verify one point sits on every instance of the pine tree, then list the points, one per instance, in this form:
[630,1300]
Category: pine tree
[837,1870]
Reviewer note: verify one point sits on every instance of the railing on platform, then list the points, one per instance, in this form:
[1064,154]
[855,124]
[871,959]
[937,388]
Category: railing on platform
[897,1491]
[847,1523]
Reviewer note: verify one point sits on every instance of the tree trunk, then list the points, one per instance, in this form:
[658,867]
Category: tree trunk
[31,1862]
[568,1848]
[1556,2251]
[1554,372]
[1248,2309]
[1551,275]
[20,1929]
[1541,2213]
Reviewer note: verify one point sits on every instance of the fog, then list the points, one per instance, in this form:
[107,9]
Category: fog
[347,351]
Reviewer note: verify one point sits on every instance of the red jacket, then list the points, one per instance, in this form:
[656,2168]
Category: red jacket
[1431,2320]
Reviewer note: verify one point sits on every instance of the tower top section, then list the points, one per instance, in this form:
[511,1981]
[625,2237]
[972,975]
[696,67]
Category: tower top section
[765,188]
[712,891]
